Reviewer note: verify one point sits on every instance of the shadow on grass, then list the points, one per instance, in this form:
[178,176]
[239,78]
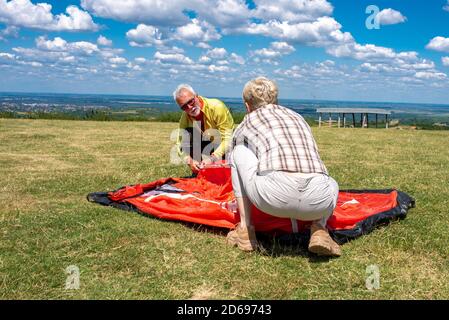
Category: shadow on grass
[294,245]
[288,245]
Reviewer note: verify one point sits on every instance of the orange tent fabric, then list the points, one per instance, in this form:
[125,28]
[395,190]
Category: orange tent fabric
[208,199]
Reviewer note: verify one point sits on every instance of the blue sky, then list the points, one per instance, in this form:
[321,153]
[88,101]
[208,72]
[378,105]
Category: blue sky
[314,49]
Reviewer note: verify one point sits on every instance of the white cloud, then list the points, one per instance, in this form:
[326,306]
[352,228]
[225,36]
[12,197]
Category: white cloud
[445,61]
[235,58]
[65,60]
[225,13]
[103,41]
[214,68]
[39,55]
[292,11]
[439,44]
[324,31]
[35,64]
[7,58]
[390,16]
[369,67]
[370,52]
[172,58]
[276,50]
[68,59]
[221,13]
[140,60]
[217,53]
[5,55]
[446,7]
[83,47]
[416,72]
[196,31]
[150,12]
[203,45]
[367,76]
[145,36]
[60,52]
[167,49]
[428,75]
[59,44]
[291,73]
[107,53]
[118,60]
[323,72]
[23,13]
[282,47]
[204,60]
[134,67]
[77,20]
[9,32]
[385,68]
[166,24]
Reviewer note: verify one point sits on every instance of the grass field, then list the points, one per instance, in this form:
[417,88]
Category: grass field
[47,167]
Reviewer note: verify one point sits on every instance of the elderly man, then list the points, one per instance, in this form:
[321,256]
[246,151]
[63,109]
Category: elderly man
[276,167]
[205,128]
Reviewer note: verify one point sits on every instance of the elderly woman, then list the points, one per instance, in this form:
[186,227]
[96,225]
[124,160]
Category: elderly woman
[276,167]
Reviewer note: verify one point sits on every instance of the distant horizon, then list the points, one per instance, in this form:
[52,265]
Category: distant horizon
[215,96]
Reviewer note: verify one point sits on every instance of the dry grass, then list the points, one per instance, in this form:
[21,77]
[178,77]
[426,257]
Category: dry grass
[46,225]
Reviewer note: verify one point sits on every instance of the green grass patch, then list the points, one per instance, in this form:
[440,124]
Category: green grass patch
[46,224]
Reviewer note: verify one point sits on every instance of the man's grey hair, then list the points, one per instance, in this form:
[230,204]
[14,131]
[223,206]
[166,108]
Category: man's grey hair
[260,92]
[181,87]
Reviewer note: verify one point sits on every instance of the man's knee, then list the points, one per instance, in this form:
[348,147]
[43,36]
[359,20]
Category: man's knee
[239,153]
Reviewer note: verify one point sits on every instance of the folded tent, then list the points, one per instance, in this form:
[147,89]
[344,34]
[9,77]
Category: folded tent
[208,199]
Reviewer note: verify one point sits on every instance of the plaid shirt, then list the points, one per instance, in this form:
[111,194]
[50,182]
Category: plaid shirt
[281,139]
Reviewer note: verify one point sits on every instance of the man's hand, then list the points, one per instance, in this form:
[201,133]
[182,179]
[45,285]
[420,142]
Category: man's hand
[208,160]
[193,164]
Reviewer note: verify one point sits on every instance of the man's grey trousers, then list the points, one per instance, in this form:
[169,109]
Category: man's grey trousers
[305,197]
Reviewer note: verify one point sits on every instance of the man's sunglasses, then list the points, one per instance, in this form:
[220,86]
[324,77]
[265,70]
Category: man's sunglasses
[188,104]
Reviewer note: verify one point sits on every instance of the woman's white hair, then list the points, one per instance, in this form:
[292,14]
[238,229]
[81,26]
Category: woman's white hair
[260,92]
[181,87]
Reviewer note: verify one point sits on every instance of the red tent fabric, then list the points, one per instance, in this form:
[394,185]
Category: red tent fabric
[208,199]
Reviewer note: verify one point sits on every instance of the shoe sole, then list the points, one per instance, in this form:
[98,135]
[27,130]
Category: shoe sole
[322,247]
[242,245]
[323,250]
[320,250]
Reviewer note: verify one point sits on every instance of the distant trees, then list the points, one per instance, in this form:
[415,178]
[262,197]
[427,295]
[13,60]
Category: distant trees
[156,116]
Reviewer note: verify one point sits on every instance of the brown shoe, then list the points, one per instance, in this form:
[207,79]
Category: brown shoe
[321,243]
[244,238]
